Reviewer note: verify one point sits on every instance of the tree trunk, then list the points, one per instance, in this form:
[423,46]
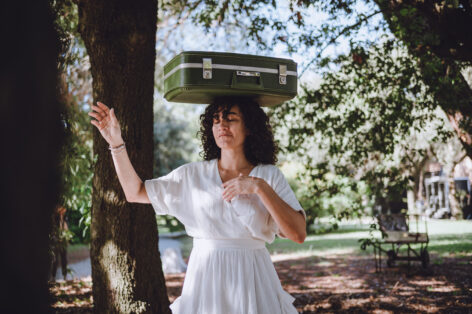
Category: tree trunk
[31,135]
[126,267]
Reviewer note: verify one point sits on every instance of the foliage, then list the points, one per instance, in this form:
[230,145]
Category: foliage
[175,141]
[435,34]
[77,164]
[375,115]
[377,92]
[76,155]
[370,123]
[324,193]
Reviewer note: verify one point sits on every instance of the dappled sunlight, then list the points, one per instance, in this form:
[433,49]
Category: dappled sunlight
[329,273]
[338,236]
[310,253]
[350,283]
[111,197]
[116,278]
[434,285]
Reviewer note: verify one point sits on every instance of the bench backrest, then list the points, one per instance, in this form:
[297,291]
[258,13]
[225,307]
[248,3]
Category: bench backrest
[392,222]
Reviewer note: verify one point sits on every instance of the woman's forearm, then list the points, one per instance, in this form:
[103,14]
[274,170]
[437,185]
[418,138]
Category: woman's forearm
[291,223]
[109,127]
[130,182]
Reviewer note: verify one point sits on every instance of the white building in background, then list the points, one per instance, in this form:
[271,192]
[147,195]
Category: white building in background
[437,196]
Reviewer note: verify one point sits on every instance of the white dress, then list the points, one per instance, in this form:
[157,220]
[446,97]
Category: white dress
[229,270]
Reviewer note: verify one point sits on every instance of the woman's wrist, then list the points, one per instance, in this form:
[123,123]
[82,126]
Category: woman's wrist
[261,185]
[116,143]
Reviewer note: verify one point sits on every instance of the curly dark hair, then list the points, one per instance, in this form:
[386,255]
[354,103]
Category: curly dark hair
[259,145]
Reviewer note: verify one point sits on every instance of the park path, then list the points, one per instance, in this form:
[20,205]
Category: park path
[169,247]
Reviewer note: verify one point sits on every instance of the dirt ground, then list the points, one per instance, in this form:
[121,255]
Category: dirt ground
[338,284]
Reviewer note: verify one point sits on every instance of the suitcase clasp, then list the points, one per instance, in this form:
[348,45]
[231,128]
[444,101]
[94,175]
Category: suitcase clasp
[283,74]
[207,69]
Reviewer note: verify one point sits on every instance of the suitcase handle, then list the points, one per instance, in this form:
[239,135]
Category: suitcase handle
[245,85]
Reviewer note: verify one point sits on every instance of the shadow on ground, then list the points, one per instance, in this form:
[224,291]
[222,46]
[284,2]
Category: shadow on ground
[350,284]
[339,283]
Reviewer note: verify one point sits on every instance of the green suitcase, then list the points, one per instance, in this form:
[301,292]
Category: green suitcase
[199,77]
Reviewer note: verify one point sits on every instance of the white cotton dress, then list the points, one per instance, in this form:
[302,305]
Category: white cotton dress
[229,270]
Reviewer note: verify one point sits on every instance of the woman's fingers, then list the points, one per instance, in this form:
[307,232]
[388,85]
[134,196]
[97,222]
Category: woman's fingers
[103,106]
[229,182]
[95,115]
[100,111]
[230,193]
[95,122]
[100,124]
[228,197]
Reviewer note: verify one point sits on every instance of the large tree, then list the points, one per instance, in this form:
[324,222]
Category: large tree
[126,268]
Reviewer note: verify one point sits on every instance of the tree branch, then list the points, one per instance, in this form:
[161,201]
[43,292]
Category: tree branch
[333,40]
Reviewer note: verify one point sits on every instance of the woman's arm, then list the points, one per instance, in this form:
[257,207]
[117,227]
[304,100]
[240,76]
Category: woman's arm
[109,127]
[132,185]
[291,223]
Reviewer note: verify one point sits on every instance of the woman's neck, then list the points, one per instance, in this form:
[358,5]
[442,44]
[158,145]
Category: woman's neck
[233,160]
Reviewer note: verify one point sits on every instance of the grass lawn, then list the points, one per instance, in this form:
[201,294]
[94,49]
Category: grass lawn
[446,237]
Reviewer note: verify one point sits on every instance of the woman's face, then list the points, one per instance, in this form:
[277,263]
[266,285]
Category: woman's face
[228,129]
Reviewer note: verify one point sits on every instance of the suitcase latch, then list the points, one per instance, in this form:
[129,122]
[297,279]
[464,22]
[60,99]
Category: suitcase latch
[283,74]
[207,69]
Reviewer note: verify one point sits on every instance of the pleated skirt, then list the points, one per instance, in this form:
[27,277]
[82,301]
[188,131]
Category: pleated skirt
[232,276]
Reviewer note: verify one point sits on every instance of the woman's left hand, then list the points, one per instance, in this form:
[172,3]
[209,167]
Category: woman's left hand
[240,185]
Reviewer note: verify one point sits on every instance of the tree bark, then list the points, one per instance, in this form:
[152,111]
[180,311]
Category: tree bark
[126,266]
[31,135]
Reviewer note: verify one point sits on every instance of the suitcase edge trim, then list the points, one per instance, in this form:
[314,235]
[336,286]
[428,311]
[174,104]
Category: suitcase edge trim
[226,67]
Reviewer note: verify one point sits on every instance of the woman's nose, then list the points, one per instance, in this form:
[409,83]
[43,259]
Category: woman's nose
[224,123]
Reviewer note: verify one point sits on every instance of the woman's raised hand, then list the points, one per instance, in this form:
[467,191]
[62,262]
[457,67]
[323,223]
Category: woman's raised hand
[240,185]
[107,123]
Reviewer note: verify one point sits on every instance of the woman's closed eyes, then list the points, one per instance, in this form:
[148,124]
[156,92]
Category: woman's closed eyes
[216,119]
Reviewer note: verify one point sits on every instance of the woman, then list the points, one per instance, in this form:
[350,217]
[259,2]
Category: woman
[231,204]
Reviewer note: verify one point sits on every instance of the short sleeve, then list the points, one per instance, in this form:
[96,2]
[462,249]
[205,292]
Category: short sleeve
[166,193]
[285,192]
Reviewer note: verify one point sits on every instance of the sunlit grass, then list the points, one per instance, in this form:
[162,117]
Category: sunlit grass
[446,237]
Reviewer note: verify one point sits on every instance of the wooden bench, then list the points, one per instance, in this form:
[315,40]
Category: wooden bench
[396,233]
